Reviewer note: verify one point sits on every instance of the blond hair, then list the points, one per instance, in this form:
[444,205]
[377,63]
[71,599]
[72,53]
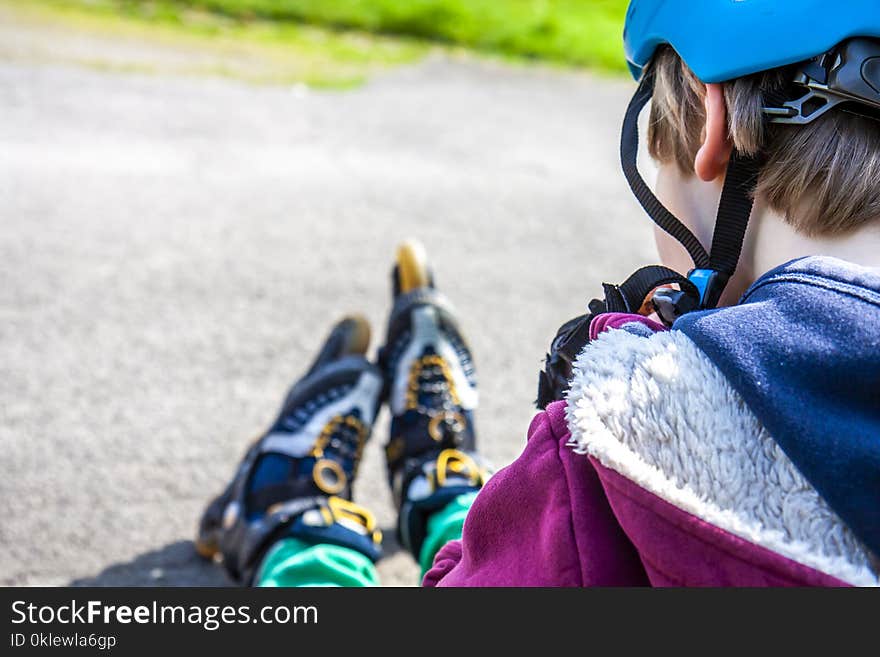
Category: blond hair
[821,177]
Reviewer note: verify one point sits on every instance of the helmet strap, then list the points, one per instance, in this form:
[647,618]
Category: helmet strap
[711,270]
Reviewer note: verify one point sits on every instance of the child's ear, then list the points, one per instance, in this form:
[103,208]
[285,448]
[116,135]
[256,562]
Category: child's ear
[713,156]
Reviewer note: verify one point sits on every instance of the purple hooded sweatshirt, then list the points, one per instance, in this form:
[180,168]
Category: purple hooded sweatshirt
[676,462]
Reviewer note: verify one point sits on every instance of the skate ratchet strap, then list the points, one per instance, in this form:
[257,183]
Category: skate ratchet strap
[451,463]
[340,522]
[430,486]
[711,270]
[417,433]
[315,520]
[448,468]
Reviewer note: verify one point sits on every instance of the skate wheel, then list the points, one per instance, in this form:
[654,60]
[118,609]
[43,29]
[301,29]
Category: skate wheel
[412,266]
[357,335]
[206,549]
[206,543]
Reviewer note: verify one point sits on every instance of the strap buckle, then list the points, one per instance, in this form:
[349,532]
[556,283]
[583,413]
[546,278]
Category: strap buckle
[710,284]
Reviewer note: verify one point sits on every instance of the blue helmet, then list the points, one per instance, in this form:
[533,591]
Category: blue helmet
[725,39]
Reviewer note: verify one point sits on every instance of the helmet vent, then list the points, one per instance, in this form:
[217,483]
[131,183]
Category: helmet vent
[812,105]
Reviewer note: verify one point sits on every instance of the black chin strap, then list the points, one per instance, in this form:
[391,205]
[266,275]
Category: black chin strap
[704,284]
[711,270]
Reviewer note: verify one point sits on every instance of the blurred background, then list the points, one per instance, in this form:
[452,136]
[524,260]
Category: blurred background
[192,191]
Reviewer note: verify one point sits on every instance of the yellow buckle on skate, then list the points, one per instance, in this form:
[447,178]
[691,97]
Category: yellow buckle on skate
[345,510]
[452,460]
[329,476]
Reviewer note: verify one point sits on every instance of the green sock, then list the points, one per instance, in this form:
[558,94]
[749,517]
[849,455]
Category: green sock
[443,526]
[292,562]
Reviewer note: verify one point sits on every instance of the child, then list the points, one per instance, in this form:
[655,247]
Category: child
[741,447]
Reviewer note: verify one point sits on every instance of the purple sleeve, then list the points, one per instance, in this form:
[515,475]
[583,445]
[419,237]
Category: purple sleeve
[542,521]
[626,321]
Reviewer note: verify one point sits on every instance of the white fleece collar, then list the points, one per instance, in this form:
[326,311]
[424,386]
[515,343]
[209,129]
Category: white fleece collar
[657,411]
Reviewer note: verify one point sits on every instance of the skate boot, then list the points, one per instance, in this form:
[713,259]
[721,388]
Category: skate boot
[431,391]
[295,481]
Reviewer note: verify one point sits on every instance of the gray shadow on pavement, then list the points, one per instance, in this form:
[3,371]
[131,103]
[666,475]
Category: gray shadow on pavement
[390,544]
[176,564]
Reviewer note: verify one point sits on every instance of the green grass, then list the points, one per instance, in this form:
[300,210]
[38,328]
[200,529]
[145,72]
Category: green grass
[161,38]
[575,32]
